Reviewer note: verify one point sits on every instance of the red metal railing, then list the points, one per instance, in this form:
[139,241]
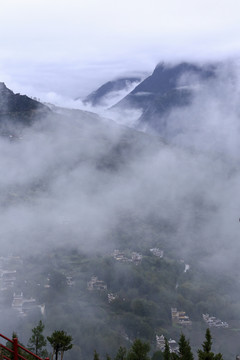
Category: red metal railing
[15,350]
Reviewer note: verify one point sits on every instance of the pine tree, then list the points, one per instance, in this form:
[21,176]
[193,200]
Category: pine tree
[206,353]
[166,353]
[60,342]
[157,355]
[96,356]
[139,351]
[184,352]
[37,341]
[121,354]
[9,345]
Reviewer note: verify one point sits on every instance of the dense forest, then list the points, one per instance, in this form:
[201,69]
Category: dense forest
[131,297]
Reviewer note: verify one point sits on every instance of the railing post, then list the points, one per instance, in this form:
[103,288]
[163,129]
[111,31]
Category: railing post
[15,349]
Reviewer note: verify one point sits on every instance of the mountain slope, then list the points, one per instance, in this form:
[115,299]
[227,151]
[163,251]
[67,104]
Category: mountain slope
[109,89]
[19,108]
[168,87]
[89,187]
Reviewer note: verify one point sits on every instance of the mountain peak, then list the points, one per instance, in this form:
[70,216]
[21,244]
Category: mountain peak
[18,108]
[111,89]
[169,86]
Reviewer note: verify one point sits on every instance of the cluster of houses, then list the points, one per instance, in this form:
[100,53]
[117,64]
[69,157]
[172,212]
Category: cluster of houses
[160,344]
[99,285]
[119,255]
[112,297]
[7,272]
[180,317]
[7,279]
[8,276]
[157,252]
[95,284]
[24,306]
[135,257]
[212,321]
[70,281]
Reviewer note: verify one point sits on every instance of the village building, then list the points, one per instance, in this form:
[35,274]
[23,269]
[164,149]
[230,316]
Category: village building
[212,321]
[173,346]
[7,278]
[95,284]
[112,297]
[160,344]
[24,306]
[70,281]
[136,257]
[180,317]
[157,252]
[121,256]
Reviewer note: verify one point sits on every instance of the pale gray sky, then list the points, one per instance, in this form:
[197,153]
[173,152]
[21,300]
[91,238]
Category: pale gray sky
[71,46]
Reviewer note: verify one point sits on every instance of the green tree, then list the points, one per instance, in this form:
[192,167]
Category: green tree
[166,353]
[158,355]
[121,354]
[185,352]
[37,341]
[9,345]
[96,356]
[139,351]
[206,353]
[60,342]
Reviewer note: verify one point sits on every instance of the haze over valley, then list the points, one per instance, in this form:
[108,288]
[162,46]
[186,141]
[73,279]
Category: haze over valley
[119,149]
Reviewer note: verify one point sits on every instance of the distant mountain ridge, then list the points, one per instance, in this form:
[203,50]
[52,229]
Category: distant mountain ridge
[99,96]
[168,87]
[164,79]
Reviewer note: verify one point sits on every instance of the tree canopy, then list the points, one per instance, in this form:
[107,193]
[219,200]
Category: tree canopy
[206,353]
[139,351]
[37,341]
[60,342]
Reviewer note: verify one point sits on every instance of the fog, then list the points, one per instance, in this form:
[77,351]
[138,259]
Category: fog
[208,134]
[83,45]
[211,123]
[77,181]
[70,181]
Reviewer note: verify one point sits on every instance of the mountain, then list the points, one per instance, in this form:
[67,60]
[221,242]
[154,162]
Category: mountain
[111,91]
[168,87]
[19,108]
[82,196]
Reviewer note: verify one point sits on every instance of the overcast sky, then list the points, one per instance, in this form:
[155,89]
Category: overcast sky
[69,47]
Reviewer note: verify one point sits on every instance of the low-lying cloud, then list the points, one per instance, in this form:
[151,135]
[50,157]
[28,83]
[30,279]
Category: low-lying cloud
[70,180]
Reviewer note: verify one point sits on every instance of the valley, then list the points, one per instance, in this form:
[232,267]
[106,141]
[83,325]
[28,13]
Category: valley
[108,301]
[112,233]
